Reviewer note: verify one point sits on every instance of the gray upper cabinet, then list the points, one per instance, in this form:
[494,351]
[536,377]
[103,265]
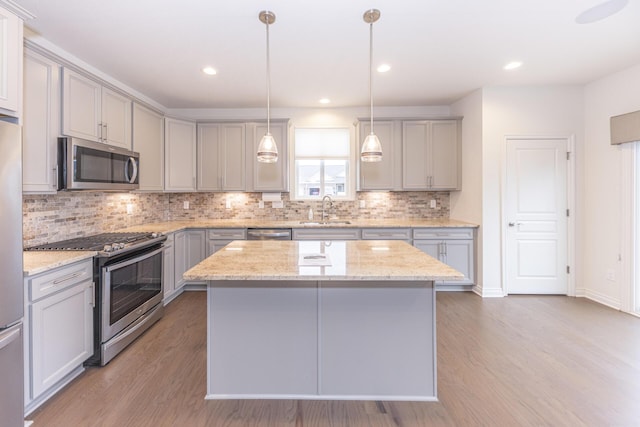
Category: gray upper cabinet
[94,112]
[221,157]
[431,155]
[10,62]
[269,176]
[180,155]
[378,175]
[41,123]
[148,140]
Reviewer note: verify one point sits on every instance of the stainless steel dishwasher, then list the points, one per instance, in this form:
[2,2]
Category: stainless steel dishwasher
[269,234]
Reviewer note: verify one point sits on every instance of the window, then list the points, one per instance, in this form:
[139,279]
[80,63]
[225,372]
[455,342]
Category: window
[324,163]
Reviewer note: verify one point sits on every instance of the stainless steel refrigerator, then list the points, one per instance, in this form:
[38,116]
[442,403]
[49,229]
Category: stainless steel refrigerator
[11,282]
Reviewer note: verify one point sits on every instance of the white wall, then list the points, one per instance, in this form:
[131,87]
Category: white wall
[466,205]
[604,202]
[518,111]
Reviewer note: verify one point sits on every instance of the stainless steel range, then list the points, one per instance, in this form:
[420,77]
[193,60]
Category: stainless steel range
[129,287]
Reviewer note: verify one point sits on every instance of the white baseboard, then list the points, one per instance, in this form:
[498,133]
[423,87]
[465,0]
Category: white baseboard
[600,298]
[488,292]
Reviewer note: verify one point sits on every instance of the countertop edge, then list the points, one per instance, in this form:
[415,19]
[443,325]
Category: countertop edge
[175,226]
[36,262]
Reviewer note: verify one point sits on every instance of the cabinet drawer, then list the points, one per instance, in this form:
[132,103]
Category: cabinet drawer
[443,233]
[61,278]
[386,234]
[327,234]
[227,234]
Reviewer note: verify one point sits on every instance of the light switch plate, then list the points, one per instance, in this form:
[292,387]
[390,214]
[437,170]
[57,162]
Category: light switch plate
[277,205]
[432,204]
[185,205]
[228,204]
[261,204]
[363,204]
[129,208]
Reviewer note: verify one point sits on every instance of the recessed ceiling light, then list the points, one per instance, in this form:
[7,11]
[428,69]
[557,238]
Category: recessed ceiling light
[383,68]
[210,71]
[601,11]
[324,101]
[513,65]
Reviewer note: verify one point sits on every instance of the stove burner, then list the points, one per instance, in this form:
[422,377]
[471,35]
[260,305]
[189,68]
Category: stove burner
[105,242]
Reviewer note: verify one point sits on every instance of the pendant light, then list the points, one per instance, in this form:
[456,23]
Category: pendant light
[371,147]
[267,149]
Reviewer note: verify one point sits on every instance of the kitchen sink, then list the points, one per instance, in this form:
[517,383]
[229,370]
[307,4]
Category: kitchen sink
[332,222]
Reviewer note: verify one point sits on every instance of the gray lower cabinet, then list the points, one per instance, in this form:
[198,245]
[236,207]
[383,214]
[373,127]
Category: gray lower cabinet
[59,328]
[190,249]
[218,238]
[453,246]
[168,268]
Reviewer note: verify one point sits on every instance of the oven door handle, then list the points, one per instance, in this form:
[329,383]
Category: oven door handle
[118,265]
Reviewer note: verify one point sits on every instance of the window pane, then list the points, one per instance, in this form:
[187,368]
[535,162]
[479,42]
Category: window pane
[335,177]
[321,143]
[308,178]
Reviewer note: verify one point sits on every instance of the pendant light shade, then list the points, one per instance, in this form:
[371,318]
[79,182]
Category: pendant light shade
[267,149]
[371,147]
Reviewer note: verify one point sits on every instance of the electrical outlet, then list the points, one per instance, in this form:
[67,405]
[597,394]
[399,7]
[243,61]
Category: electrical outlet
[432,204]
[261,204]
[129,208]
[228,204]
[363,204]
[185,205]
[611,275]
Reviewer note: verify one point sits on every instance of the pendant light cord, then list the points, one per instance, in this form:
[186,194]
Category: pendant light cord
[371,71]
[268,82]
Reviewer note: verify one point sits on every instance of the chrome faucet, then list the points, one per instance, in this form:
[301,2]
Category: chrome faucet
[324,209]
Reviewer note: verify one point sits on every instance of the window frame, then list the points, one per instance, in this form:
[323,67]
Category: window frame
[350,180]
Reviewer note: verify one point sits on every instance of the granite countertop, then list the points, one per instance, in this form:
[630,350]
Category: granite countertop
[172,226]
[35,262]
[349,260]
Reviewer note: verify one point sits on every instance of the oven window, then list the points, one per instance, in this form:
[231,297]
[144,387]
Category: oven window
[133,285]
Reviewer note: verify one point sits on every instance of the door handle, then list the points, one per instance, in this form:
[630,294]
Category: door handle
[513,224]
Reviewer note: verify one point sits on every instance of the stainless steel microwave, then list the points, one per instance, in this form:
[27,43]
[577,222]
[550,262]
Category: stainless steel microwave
[88,165]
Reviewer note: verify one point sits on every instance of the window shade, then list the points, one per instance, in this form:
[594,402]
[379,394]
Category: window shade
[625,128]
[322,143]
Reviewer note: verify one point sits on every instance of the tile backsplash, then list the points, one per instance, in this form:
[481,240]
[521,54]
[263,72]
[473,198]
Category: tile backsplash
[54,217]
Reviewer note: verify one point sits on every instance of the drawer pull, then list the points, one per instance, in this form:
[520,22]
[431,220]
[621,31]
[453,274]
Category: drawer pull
[69,277]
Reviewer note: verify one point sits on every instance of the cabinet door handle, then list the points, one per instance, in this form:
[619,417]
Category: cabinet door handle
[106,132]
[93,294]
[55,178]
[100,131]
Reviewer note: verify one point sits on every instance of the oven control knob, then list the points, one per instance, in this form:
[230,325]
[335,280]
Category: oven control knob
[155,235]
[107,248]
[118,246]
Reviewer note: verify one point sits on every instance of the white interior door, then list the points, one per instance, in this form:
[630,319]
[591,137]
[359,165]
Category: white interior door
[536,216]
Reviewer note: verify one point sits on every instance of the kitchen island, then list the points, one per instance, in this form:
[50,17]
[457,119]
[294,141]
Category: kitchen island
[321,320]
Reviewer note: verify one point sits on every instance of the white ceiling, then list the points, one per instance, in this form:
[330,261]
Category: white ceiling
[440,50]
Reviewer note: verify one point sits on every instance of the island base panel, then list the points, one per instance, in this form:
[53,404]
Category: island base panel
[321,340]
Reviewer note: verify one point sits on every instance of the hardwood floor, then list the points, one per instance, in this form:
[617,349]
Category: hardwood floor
[515,361]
